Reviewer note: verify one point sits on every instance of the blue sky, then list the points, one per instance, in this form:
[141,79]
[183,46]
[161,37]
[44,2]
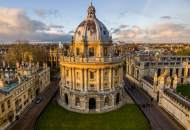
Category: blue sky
[144,15]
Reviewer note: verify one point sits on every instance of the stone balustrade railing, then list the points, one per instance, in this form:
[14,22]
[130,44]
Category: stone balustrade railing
[92,59]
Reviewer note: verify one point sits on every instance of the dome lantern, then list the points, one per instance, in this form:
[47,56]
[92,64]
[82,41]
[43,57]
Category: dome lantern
[91,11]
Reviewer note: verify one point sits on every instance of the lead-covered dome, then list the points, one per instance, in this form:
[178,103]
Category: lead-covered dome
[91,29]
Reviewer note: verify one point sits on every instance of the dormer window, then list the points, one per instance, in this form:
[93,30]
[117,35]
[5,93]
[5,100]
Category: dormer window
[104,32]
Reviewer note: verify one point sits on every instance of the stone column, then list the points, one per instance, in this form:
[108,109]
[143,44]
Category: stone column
[98,104]
[71,78]
[74,78]
[102,79]
[85,79]
[113,81]
[113,100]
[121,76]
[98,80]
[110,78]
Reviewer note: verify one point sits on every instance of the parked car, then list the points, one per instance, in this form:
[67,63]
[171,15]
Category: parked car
[38,100]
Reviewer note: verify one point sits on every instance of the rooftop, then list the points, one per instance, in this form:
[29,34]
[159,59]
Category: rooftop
[9,87]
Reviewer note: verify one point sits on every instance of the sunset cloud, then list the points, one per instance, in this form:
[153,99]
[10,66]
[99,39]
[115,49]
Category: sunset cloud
[16,25]
[160,32]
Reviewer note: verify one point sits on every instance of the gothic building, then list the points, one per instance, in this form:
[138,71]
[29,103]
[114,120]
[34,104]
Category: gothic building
[91,71]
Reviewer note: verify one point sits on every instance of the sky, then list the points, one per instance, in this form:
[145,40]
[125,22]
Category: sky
[126,20]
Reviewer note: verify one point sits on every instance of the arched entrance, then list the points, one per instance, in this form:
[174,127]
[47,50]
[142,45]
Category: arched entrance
[92,104]
[66,99]
[117,98]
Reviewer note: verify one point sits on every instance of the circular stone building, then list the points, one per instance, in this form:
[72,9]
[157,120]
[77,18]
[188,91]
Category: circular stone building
[91,71]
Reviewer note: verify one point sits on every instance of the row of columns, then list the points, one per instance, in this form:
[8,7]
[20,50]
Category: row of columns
[99,80]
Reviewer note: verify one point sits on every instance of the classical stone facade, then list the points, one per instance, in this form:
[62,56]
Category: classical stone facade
[18,88]
[91,73]
[158,75]
[177,106]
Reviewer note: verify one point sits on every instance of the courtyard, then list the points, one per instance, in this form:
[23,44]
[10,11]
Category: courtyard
[184,90]
[129,117]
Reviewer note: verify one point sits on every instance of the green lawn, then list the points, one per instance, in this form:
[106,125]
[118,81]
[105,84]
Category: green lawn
[184,90]
[128,117]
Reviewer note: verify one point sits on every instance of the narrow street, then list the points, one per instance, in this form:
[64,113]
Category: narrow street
[28,118]
[159,119]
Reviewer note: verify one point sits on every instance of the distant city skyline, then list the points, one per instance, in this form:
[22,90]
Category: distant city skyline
[127,20]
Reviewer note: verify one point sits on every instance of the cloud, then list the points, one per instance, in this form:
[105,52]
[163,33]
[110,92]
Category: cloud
[126,32]
[46,13]
[16,25]
[160,32]
[166,17]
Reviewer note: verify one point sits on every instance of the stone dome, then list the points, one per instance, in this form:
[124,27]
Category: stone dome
[91,30]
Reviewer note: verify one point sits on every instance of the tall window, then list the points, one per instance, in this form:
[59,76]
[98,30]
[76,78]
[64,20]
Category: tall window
[159,71]
[171,71]
[91,75]
[188,72]
[67,73]
[77,75]
[8,104]
[2,107]
[116,72]
[77,51]
[183,72]
[91,52]
[105,51]
[177,71]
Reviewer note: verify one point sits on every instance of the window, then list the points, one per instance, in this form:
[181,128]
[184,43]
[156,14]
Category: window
[91,85]
[77,103]
[171,71]
[67,73]
[116,72]
[182,80]
[182,73]
[91,75]
[104,32]
[68,82]
[91,52]
[105,51]
[77,51]
[8,104]
[106,73]
[77,75]
[2,107]
[78,85]
[177,71]
[159,72]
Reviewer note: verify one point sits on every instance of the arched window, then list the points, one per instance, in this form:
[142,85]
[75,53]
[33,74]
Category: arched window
[106,102]
[77,51]
[117,98]
[66,99]
[92,75]
[77,101]
[91,51]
